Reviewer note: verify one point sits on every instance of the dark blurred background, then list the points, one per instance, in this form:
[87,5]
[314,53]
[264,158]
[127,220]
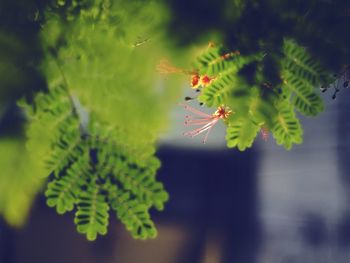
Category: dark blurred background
[262,205]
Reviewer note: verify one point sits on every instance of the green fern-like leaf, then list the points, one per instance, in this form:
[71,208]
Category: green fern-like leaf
[300,63]
[88,159]
[142,183]
[215,60]
[223,87]
[133,214]
[91,217]
[305,100]
[254,106]
[287,129]
[138,178]
[54,125]
[66,151]
[223,66]
[241,133]
[303,95]
[63,193]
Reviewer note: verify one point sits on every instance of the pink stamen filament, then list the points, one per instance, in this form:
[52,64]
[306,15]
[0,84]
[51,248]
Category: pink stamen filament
[195,124]
[201,129]
[199,113]
[207,134]
[187,123]
[193,119]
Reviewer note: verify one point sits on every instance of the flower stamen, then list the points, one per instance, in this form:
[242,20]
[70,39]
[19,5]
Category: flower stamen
[206,121]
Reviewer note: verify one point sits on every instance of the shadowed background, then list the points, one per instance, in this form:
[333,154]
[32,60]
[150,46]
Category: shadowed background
[275,206]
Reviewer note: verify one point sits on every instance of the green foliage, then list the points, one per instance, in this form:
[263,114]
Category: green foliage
[241,133]
[91,217]
[89,164]
[219,90]
[133,214]
[223,66]
[119,151]
[303,96]
[123,69]
[287,129]
[299,62]
[301,75]
[18,187]
[264,105]
[215,60]
[93,131]
[62,193]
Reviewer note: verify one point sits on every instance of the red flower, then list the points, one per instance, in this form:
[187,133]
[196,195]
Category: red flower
[195,81]
[205,80]
[164,67]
